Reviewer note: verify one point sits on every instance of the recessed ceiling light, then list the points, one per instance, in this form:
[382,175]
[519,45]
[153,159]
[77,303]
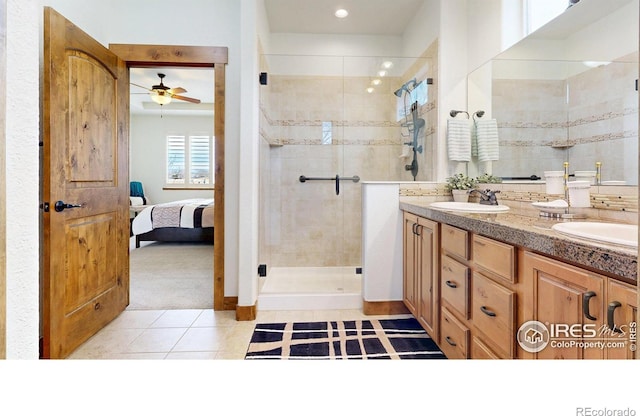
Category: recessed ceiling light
[341,13]
[382,73]
[387,64]
[376,81]
[370,90]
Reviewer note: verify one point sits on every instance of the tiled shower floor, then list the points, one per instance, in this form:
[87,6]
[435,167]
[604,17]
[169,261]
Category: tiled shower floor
[309,288]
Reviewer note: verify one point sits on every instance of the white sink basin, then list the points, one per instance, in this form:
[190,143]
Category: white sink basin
[469,207]
[622,234]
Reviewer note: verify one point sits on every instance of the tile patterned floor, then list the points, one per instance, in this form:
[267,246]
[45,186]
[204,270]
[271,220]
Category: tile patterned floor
[200,334]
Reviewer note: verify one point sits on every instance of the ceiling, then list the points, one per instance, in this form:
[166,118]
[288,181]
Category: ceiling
[197,81]
[366,17]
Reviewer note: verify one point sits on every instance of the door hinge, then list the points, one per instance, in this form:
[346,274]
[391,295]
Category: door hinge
[44,206]
[262,270]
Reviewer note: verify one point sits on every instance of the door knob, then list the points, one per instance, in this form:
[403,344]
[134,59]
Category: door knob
[60,206]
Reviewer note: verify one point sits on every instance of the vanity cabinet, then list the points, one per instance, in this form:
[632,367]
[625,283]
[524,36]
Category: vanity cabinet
[567,297]
[473,294]
[420,272]
[476,274]
[622,315]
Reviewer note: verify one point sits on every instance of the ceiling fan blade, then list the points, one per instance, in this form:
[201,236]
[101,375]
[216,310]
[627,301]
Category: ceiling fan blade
[177,90]
[191,100]
[141,86]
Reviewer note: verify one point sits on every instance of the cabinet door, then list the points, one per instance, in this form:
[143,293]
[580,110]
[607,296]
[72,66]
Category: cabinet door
[428,284]
[569,302]
[454,285]
[493,313]
[455,337]
[409,270]
[622,315]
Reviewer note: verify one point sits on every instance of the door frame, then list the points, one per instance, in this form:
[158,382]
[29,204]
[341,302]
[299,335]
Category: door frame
[150,56]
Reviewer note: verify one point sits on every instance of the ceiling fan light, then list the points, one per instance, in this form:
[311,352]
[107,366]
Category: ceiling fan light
[161,99]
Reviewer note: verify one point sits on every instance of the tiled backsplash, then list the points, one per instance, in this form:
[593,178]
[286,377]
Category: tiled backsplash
[611,203]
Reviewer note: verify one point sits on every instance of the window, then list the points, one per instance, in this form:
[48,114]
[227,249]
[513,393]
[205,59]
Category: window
[419,93]
[189,161]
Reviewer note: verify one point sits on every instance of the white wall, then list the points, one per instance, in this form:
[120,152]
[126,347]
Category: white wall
[22,177]
[148,152]
[423,29]
[484,31]
[453,73]
[248,166]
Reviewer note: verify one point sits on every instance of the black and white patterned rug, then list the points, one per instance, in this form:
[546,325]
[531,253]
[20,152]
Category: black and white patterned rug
[337,340]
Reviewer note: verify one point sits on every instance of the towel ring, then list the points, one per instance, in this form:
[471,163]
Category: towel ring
[454,113]
[479,113]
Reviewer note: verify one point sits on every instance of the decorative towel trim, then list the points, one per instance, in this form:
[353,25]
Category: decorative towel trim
[486,137]
[459,140]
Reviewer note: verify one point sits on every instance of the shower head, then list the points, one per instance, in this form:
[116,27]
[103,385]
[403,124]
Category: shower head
[408,86]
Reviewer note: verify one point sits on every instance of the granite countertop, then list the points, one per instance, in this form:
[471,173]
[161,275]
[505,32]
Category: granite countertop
[535,234]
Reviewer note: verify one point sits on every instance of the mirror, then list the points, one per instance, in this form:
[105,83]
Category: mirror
[567,92]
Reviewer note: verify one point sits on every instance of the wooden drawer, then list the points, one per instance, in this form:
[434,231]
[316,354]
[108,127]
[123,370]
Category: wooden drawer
[454,336]
[480,351]
[495,257]
[493,312]
[454,285]
[455,242]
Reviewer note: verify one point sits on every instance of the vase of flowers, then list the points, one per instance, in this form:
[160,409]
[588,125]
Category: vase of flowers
[460,186]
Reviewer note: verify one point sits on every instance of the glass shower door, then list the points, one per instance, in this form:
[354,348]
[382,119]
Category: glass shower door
[303,189]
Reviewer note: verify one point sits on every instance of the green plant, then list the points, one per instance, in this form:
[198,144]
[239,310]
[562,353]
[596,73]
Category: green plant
[460,181]
[487,178]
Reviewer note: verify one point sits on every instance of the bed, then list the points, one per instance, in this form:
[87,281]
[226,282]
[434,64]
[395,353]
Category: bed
[188,220]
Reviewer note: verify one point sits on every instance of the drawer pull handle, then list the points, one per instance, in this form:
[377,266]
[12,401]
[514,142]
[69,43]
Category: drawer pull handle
[487,311]
[451,284]
[480,243]
[450,341]
[610,312]
[585,305]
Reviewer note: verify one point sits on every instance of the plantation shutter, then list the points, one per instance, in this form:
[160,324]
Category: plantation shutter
[176,155]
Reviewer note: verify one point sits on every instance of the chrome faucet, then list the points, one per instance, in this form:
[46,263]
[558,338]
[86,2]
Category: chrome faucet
[487,196]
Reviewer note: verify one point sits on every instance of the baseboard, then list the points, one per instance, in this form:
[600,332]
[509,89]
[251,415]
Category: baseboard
[246,313]
[229,303]
[388,307]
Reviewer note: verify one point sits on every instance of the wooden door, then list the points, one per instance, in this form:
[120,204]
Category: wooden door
[560,294]
[622,320]
[409,289]
[85,186]
[428,284]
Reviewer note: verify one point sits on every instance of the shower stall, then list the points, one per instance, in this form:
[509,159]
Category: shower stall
[327,124]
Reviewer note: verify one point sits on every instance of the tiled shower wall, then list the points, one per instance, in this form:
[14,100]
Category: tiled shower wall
[320,127]
[587,118]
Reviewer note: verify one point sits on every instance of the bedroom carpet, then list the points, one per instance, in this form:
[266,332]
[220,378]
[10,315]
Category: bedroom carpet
[171,276]
[339,340]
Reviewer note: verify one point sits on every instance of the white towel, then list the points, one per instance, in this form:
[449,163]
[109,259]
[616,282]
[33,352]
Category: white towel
[459,139]
[486,138]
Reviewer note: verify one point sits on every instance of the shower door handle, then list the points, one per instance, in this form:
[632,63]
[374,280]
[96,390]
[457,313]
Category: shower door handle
[336,178]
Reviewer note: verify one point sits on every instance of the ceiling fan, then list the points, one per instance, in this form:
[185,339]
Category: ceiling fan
[162,94]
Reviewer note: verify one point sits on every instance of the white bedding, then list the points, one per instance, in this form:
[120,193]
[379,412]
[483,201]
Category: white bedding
[143,223]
